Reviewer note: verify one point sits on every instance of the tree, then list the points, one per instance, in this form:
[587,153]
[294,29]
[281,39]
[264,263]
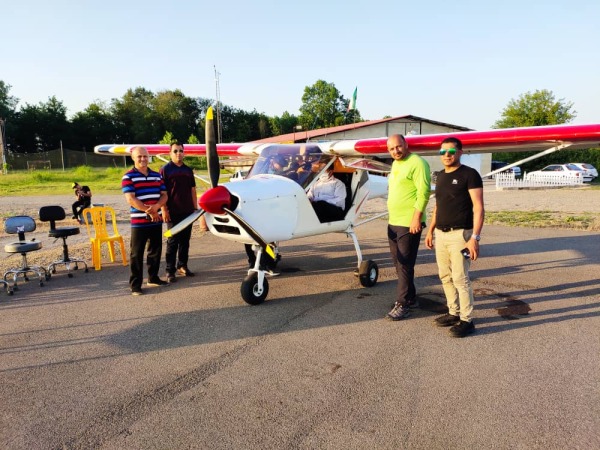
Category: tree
[323,106]
[177,113]
[8,103]
[282,125]
[92,126]
[135,118]
[8,106]
[536,109]
[41,127]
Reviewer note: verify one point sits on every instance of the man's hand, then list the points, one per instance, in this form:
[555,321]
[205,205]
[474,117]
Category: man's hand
[429,240]
[473,247]
[415,225]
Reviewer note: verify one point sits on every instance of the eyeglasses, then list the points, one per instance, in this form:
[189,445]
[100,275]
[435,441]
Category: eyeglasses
[450,151]
[177,151]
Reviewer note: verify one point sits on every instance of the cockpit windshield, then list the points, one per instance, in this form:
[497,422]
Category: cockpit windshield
[301,163]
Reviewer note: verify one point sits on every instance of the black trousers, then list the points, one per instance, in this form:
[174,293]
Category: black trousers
[140,236]
[326,212]
[178,246]
[403,248]
[79,206]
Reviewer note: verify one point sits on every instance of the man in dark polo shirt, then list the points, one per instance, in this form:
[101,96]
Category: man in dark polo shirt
[146,194]
[182,201]
[457,221]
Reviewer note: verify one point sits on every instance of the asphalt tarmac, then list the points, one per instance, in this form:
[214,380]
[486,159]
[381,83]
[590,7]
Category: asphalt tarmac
[83,364]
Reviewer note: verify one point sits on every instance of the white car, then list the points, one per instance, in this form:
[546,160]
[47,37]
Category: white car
[559,172]
[591,170]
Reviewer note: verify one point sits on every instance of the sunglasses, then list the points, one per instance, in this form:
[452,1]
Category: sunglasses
[450,151]
[177,151]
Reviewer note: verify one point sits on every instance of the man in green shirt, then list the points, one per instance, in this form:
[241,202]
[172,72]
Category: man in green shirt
[409,185]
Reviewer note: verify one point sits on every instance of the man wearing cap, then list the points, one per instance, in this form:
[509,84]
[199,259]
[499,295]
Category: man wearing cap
[84,199]
[457,221]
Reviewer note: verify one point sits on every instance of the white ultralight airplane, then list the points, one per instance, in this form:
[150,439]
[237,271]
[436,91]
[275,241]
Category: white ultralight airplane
[264,209]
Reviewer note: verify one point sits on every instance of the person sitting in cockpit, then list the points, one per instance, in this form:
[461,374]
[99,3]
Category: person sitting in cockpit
[328,196]
[277,165]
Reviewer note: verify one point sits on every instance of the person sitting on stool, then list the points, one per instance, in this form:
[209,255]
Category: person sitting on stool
[328,196]
[84,199]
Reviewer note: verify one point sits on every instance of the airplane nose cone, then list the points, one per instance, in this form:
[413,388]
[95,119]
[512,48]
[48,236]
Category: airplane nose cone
[215,199]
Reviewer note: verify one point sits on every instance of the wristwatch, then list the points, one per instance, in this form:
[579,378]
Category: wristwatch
[476,237]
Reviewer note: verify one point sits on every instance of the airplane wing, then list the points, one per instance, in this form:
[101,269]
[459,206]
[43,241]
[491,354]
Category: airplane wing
[490,141]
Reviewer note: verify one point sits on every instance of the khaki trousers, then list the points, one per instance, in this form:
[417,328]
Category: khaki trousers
[453,270]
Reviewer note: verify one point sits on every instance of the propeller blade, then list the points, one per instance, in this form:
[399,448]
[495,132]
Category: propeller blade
[268,248]
[212,158]
[184,223]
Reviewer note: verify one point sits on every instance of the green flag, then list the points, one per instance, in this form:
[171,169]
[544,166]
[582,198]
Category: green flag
[352,104]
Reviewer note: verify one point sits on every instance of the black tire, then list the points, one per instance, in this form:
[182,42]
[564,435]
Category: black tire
[369,278]
[250,292]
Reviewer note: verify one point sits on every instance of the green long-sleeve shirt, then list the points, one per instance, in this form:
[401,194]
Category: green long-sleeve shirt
[409,185]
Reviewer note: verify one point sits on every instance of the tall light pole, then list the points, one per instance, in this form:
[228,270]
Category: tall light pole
[2,141]
[218,108]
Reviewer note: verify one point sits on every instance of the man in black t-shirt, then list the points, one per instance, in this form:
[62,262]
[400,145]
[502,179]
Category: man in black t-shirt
[84,199]
[457,220]
[182,201]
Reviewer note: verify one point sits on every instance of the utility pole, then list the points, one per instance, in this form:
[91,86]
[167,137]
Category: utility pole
[218,107]
[2,141]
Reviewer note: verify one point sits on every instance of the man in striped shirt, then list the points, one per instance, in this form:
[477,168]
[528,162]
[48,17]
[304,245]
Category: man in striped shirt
[146,194]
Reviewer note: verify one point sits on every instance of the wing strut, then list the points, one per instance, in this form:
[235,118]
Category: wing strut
[529,158]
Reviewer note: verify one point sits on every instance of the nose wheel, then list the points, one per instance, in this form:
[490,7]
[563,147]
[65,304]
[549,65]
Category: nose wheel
[253,291]
[368,273]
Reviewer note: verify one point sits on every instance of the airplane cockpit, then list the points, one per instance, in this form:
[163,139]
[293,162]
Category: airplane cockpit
[300,163]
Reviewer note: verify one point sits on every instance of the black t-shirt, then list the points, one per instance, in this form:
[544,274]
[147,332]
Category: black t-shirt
[454,205]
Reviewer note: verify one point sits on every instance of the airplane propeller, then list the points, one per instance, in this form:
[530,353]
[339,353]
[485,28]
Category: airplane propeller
[218,199]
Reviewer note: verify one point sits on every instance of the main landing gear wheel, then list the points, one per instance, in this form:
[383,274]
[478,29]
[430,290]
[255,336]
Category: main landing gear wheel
[251,291]
[368,273]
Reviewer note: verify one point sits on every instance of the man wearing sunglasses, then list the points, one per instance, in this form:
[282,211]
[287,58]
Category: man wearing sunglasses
[182,201]
[457,221]
[408,194]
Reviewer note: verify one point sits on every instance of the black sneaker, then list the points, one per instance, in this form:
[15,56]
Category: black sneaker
[186,272]
[171,278]
[157,282]
[447,320]
[398,312]
[137,291]
[462,329]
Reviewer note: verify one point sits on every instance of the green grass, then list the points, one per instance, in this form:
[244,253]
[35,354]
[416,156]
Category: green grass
[49,182]
[543,219]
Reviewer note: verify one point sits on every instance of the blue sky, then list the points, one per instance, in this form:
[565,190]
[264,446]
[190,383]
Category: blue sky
[458,62]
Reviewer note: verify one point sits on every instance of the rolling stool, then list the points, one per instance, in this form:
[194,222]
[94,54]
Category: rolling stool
[52,214]
[9,290]
[21,225]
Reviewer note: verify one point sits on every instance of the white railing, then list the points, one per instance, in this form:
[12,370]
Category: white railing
[508,180]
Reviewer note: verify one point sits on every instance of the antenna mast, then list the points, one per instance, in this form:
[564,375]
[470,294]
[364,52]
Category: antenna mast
[218,107]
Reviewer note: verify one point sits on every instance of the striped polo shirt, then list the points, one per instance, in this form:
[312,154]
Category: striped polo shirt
[147,189]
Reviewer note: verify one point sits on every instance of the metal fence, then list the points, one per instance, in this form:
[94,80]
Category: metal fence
[508,180]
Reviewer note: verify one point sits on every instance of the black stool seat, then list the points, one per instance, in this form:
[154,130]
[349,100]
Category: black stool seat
[22,247]
[64,232]
[53,214]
